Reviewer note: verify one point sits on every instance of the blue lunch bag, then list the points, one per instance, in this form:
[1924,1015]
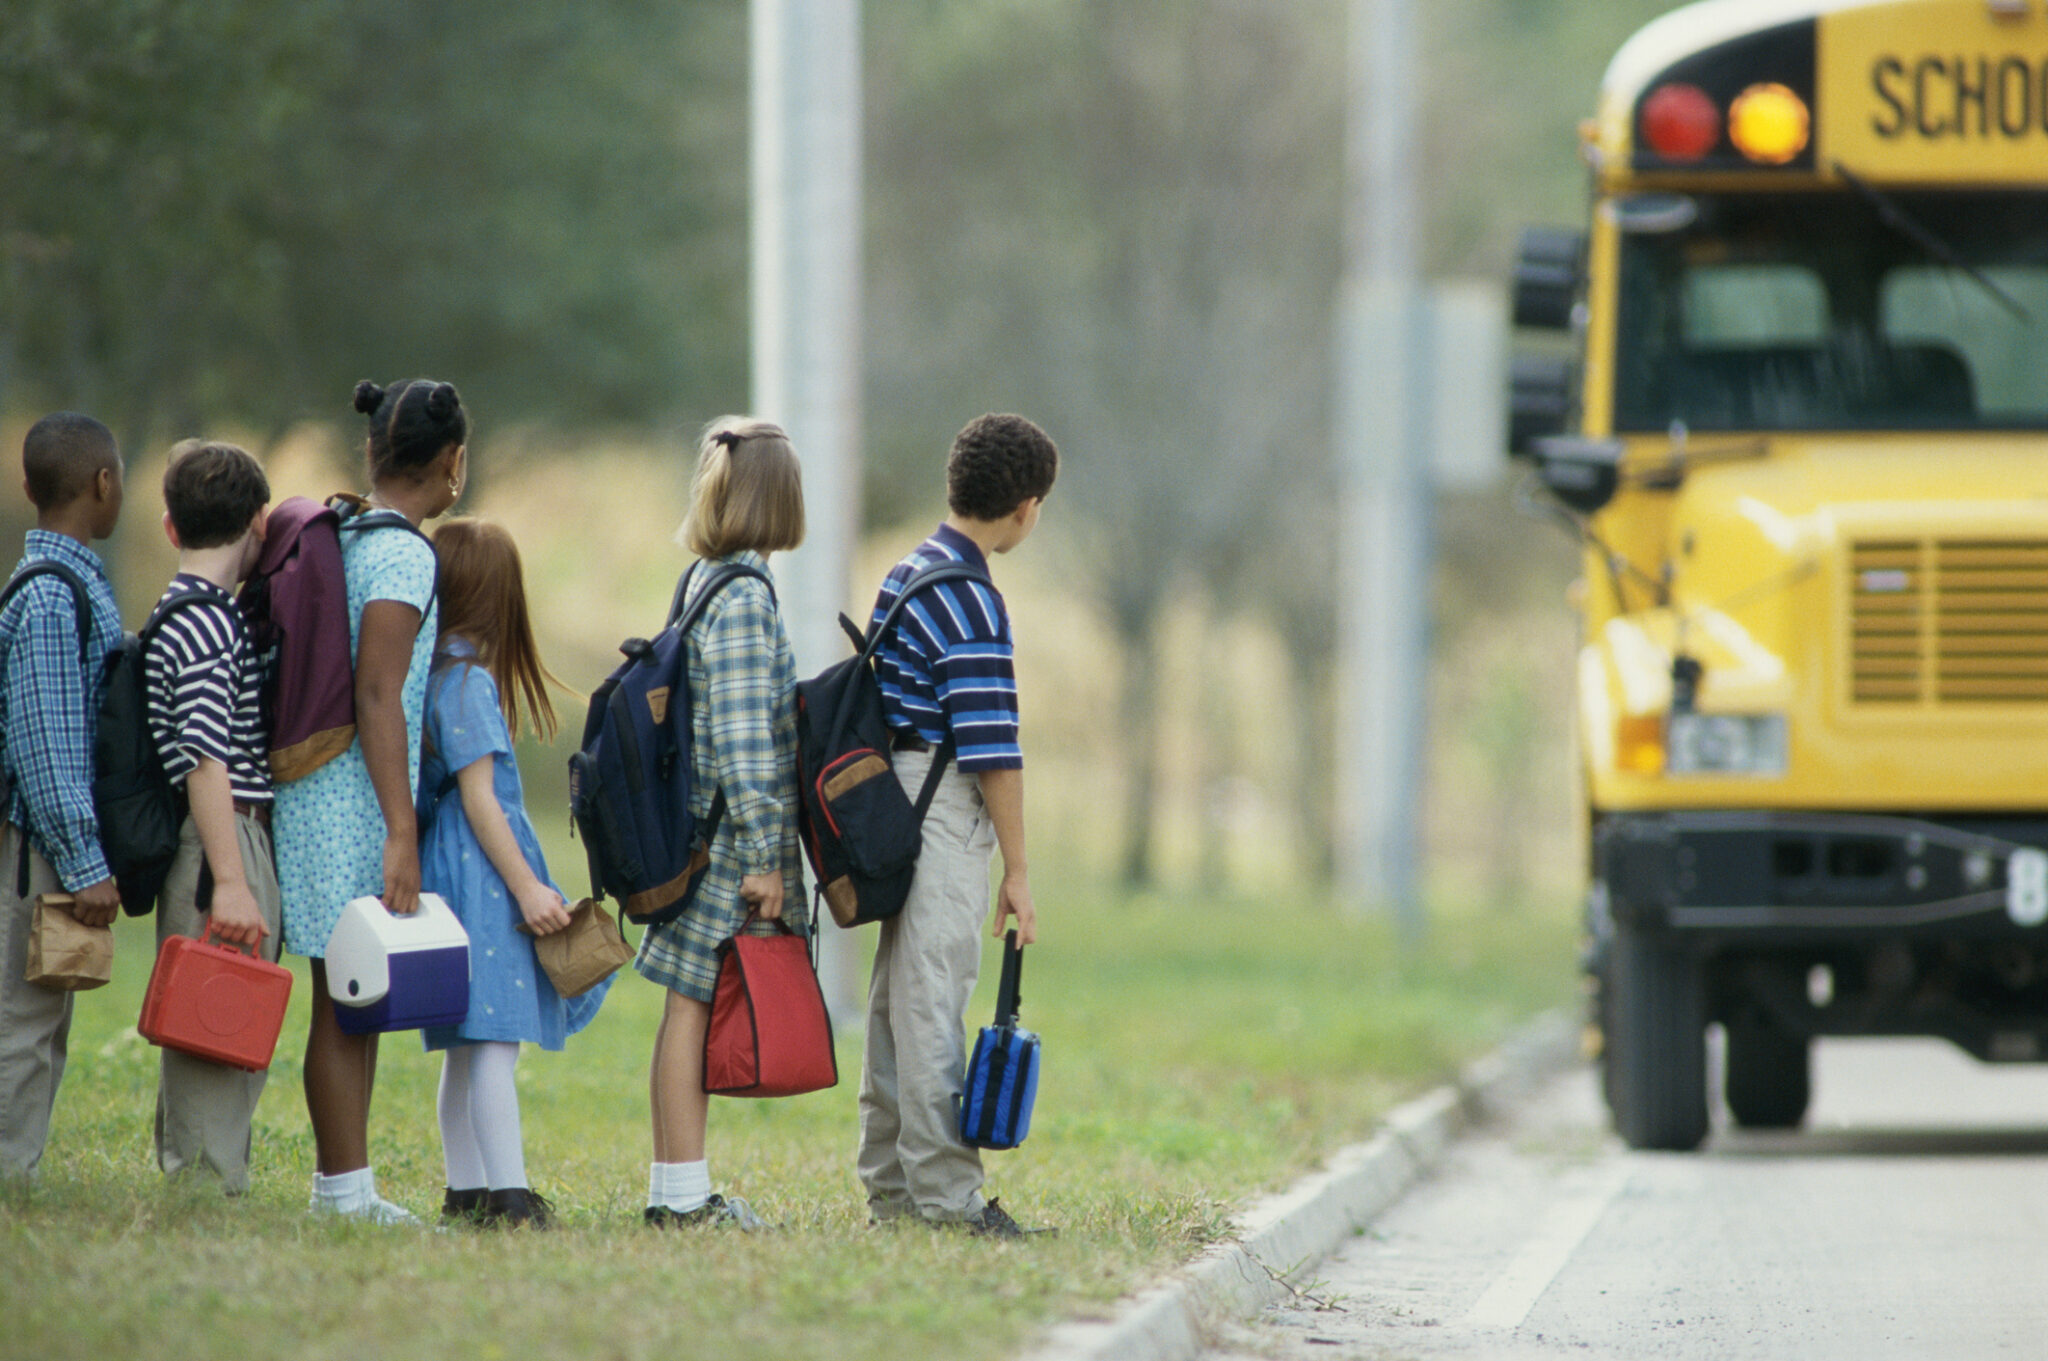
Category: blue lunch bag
[1002,1076]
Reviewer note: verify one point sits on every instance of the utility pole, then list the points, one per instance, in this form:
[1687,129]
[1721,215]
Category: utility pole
[805,273]
[1383,462]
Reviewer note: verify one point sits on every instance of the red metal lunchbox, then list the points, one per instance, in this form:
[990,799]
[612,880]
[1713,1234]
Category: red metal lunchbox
[216,1002]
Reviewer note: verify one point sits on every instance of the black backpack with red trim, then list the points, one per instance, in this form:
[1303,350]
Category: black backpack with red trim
[861,832]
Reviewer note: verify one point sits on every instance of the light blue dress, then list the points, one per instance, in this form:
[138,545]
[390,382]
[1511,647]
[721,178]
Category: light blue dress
[327,827]
[510,997]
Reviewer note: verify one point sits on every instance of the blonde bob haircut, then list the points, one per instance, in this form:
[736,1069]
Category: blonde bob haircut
[748,492]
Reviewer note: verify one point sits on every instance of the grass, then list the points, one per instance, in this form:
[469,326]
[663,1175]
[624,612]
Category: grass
[1198,1050]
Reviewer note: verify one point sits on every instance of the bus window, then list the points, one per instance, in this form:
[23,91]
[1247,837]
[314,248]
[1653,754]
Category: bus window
[1811,312]
[1931,306]
[1774,304]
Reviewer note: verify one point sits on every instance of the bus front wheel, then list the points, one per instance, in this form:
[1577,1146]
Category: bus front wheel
[1658,1045]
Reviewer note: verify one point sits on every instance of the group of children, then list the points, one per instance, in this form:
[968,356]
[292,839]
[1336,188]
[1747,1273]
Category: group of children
[426,797]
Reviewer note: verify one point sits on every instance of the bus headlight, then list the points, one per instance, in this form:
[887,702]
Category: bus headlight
[1725,744]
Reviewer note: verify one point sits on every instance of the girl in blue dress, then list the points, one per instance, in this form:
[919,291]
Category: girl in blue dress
[479,852]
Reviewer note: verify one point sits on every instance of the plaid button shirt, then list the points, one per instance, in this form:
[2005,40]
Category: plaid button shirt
[49,704]
[743,693]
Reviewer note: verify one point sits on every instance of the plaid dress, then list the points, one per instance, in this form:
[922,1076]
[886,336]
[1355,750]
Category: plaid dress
[743,712]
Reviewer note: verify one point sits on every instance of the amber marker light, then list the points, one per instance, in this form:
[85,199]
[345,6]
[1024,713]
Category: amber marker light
[1639,744]
[1680,122]
[1769,124]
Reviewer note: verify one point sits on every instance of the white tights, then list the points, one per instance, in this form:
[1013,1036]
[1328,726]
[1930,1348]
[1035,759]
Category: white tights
[479,1108]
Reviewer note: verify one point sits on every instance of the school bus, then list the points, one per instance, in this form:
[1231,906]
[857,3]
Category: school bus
[1800,421]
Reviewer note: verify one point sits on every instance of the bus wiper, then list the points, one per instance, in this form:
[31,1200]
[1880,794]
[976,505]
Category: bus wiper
[1670,474]
[1892,215]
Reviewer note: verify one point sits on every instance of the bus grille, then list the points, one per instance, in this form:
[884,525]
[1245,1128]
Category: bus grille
[1949,621]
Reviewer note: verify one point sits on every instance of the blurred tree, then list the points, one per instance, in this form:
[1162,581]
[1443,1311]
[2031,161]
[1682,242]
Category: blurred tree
[1143,196]
[230,209]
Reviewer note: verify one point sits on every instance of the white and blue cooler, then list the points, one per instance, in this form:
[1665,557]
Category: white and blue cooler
[387,972]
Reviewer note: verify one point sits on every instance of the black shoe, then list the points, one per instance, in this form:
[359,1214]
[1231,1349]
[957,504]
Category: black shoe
[716,1211]
[995,1222]
[463,1207]
[518,1207]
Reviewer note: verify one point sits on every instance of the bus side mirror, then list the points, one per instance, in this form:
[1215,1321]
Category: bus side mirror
[1539,400]
[1548,273]
[1582,473]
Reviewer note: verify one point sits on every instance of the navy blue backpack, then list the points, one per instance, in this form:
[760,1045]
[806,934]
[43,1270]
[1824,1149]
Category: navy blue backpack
[1002,1075]
[630,784]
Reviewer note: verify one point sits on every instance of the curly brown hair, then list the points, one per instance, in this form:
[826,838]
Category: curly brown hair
[997,464]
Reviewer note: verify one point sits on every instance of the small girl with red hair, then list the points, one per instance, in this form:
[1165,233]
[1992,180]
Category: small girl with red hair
[478,851]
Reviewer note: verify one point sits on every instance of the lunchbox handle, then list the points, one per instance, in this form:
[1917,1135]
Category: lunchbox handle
[206,938]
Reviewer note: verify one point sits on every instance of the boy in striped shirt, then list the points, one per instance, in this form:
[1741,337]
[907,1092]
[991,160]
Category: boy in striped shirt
[945,673]
[204,683]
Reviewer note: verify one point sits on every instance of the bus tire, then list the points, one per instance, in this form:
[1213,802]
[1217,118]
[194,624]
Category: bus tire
[1770,1075]
[1658,1048]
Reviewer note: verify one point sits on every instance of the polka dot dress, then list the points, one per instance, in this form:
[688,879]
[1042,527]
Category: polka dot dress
[327,827]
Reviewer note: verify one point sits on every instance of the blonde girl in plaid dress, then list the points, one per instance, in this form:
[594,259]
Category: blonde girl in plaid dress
[745,503]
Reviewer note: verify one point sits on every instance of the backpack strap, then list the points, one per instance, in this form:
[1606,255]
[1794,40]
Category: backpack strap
[931,574]
[186,600]
[357,514]
[675,602]
[81,606]
[683,618]
[81,600]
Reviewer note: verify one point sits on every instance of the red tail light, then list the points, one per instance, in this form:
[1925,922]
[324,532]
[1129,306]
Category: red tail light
[1680,122]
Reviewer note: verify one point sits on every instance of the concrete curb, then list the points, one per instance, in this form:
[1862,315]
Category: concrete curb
[1282,1237]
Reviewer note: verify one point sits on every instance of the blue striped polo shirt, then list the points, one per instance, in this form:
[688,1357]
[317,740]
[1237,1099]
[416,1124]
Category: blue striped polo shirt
[946,666]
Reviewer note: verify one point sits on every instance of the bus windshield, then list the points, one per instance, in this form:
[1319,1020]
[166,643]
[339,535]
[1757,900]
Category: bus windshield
[1815,312]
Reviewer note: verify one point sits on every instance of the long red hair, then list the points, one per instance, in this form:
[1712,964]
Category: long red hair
[482,592]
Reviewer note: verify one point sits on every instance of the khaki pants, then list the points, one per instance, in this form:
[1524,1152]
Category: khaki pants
[911,1157]
[35,1022]
[203,1109]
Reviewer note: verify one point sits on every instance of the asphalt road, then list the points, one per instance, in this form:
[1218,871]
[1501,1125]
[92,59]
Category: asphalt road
[1909,1220]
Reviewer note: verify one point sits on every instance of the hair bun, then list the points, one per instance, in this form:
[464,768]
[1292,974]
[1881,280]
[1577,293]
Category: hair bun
[442,401]
[368,396]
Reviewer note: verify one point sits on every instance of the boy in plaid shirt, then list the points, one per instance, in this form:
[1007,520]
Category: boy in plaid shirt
[50,686]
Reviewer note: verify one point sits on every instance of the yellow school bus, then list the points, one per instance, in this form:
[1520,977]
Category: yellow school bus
[1803,433]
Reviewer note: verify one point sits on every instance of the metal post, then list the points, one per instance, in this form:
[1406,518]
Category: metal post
[805,257]
[1382,449]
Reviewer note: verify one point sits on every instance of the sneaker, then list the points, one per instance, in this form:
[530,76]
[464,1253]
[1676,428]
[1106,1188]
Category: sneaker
[375,1210]
[995,1222]
[518,1207]
[463,1207]
[715,1212]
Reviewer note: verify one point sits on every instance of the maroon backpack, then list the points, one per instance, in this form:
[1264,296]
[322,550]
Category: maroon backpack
[296,603]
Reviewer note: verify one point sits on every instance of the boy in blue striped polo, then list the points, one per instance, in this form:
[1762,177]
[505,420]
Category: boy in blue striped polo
[205,683]
[945,672]
[51,681]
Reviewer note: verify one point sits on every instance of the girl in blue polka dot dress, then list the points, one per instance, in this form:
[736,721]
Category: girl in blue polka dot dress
[479,852]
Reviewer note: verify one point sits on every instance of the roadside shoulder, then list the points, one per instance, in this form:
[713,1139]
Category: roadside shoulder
[1281,1238]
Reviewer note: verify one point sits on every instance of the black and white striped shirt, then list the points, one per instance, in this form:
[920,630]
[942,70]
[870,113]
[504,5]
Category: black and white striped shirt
[205,692]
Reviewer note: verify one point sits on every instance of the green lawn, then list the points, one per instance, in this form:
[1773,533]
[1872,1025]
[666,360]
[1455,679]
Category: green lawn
[1197,1051]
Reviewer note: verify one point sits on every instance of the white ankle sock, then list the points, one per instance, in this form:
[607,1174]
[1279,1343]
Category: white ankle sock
[681,1187]
[346,1192]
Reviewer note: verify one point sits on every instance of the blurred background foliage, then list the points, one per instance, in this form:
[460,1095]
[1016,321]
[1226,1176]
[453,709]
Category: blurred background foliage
[1119,216]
